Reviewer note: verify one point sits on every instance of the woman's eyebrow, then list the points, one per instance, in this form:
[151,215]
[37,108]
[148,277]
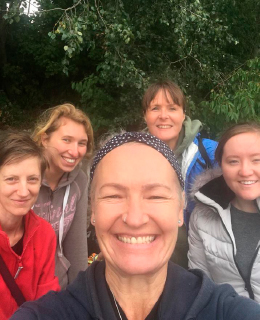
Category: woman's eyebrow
[151,186]
[113,185]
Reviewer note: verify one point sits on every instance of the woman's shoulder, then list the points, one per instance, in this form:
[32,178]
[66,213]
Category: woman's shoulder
[40,225]
[79,176]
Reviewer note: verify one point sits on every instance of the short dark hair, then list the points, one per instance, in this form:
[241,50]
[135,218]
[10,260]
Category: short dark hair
[172,88]
[236,129]
[16,146]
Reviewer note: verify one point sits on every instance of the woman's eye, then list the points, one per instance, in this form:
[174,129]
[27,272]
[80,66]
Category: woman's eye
[256,160]
[154,108]
[156,197]
[112,196]
[83,144]
[34,179]
[10,179]
[232,161]
[66,140]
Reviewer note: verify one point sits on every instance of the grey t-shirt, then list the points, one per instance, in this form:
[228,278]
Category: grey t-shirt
[246,229]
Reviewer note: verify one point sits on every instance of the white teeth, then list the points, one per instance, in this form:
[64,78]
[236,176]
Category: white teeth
[248,182]
[138,240]
[164,127]
[69,160]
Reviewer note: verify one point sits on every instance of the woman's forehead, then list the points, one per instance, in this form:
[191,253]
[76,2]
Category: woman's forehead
[129,151]
[132,162]
[141,140]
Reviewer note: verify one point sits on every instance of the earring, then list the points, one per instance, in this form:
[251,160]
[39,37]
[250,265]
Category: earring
[179,221]
[94,221]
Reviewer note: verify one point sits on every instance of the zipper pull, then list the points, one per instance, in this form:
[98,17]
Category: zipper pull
[18,271]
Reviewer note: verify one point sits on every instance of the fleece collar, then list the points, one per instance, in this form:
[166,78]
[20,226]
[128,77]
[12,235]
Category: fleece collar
[190,128]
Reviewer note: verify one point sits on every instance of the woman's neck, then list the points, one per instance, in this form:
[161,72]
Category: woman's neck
[53,177]
[245,205]
[13,226]
[172,144]
[136,294]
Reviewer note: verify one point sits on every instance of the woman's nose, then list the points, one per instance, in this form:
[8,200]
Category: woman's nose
[74,150]
[163,113]
[23,189]
[136,217]
[245,169]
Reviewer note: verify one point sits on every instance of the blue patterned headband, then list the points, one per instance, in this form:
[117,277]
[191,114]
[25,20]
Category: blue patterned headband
[140,137]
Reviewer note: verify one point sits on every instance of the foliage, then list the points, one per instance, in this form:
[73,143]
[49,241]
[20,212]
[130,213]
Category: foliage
[133,43]
[101,55]
[236,99]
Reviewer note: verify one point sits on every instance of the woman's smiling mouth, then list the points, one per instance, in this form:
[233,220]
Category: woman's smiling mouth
[248,182]
[137,240]
[164,126]
[69,160]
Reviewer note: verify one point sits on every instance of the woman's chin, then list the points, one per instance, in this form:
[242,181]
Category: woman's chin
[137,264]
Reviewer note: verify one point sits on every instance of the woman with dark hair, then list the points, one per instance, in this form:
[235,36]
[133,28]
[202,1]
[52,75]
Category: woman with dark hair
[224,234]
[26,261]
[165,113]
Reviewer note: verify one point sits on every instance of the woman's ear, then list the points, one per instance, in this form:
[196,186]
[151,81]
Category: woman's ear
[182,206]
[44,139]
[145,117]
[93,221]
[184,200]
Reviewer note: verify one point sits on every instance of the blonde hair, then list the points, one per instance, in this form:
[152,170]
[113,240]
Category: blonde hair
[49,122]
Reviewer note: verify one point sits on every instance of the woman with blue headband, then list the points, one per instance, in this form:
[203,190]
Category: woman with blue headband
[137,207]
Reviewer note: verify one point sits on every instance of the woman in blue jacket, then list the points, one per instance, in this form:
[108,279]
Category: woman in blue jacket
[164,108]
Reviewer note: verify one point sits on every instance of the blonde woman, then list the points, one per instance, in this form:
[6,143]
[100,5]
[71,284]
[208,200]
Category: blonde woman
[67,136]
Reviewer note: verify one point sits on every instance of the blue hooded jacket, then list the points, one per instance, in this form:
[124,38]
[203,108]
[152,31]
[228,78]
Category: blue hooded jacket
[193,164]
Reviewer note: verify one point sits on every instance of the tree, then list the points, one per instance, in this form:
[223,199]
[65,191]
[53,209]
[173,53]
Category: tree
[104,53]
[236,99]
[202,42]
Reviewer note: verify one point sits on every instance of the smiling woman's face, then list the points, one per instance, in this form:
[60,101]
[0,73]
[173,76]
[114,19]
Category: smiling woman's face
[137,184]
[241,167]
[66,146]
[19,187]
[164,118]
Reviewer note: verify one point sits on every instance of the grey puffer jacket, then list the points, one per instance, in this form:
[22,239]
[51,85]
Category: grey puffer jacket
[212,245]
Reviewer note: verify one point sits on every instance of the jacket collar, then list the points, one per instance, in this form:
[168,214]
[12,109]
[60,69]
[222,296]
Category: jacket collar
[185,292]
[212,185]
[30,226]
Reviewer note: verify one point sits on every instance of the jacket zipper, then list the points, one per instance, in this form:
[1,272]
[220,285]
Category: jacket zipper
[251,267]
[51,198]
[20,267]
[247,287]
